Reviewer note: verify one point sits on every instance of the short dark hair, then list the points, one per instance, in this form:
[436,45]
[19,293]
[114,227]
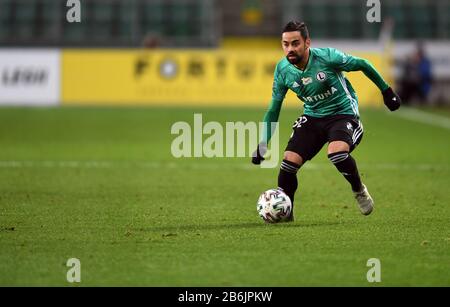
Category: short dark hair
[292,26]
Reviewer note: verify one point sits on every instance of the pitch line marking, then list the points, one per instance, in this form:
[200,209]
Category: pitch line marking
[423,117]
[206,166]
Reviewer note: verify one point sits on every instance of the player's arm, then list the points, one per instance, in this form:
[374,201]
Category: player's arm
[271,116]
[345,62]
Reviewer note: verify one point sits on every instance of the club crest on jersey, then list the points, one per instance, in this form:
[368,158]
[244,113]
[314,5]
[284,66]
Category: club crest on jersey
[321,76]
[307,80]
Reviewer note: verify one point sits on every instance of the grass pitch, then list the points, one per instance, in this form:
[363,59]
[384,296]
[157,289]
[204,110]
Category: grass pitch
[101,185]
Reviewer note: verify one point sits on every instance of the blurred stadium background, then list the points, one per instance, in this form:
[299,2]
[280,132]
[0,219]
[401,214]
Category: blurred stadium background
[89,173]
[236,44]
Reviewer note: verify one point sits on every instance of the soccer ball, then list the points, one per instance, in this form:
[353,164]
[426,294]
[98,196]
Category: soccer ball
[274,206]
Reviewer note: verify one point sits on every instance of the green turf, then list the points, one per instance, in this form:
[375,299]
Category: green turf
[101,185]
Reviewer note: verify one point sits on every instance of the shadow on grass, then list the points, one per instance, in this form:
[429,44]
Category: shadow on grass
[236,226]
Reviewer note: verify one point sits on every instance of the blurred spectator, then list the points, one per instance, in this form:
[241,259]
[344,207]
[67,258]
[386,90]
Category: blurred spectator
[416,77]
[151,40]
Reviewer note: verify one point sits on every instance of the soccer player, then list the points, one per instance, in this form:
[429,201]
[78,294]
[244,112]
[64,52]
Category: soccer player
[330,110]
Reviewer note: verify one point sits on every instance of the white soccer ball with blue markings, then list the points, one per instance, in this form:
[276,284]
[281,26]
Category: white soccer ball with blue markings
[274,206]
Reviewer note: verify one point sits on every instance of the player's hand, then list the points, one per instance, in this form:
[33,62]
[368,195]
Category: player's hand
[258,154]
[391,99]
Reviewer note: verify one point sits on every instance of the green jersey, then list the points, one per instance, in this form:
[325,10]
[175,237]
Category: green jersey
[321,85]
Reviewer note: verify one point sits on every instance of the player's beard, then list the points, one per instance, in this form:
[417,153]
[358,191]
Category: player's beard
[297,58]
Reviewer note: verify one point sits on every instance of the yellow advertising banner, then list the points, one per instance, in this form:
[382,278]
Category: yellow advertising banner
[183,77]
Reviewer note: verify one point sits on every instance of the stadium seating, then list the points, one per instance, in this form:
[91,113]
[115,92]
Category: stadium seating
[191,23]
